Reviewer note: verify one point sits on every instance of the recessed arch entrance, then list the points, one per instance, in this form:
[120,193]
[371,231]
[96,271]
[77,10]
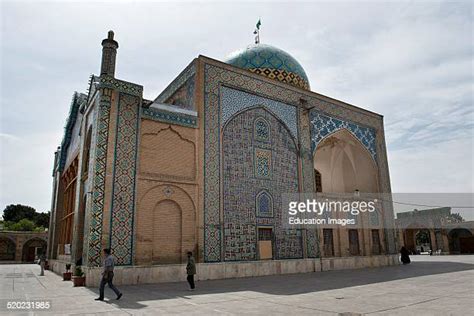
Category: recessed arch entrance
[166,226]
[32,248]
[7,249]
[461,240]
[343,165]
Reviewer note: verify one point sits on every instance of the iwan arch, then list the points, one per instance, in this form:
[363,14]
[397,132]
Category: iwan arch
[203,166]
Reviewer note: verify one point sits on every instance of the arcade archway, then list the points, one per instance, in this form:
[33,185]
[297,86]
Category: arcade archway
[7,249]
[461,240]
[33,248]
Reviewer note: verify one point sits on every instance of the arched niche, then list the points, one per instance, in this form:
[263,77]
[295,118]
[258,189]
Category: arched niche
[166,226]
[344,164]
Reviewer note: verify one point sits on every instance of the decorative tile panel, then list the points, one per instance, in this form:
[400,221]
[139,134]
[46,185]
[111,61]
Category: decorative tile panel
[170,117]
[255,174]
[323,125]
[233,101]
[271,62]
[262,163]
[123,192]
[214,78]
[94,235]
[261,130]
[106,81]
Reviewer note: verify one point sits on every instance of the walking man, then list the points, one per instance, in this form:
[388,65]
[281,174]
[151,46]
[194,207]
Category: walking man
[107,276]
[191,270]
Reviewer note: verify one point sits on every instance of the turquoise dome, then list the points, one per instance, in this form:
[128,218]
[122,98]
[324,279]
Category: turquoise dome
[271,62]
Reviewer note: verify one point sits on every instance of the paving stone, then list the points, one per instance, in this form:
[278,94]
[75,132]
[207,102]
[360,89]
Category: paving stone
[438,285]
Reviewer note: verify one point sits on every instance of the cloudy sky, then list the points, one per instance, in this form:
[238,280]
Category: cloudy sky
[410,61]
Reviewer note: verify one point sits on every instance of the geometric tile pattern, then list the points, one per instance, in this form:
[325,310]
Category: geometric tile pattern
[289,244]
[283,76]
[233,101]
[309,184]
[254,198]
[124,174]
[263,163]
[261,130]
[217,77]
[312,241]
[323,125]
[106,81]
[94,252]
[271,62]
[170,117]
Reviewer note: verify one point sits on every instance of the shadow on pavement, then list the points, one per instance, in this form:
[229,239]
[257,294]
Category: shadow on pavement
[291,284]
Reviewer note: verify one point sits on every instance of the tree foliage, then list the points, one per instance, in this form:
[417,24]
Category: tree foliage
[24,218]
[42,219]
[23,225]
[15,213]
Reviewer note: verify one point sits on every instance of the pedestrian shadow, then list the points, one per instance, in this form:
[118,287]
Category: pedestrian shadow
[126,301]
[145,295]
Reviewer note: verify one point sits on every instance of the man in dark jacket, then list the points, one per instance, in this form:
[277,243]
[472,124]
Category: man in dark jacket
[191,270]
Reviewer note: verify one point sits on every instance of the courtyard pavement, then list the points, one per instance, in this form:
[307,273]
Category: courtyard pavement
[438,285]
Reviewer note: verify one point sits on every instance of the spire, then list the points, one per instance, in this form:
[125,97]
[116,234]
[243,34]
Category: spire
[257,32]
[109,52]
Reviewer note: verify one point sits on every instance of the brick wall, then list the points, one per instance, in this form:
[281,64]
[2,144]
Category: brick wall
[167,194]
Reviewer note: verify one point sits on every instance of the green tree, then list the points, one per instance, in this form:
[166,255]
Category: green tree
[15,213]
[423,237]
[42,219]
[23,225]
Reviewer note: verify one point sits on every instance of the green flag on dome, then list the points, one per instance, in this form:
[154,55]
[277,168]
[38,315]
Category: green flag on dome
[257,32]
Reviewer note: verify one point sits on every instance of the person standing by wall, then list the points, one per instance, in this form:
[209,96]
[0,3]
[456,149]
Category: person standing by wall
[107,276]
[191,270]
[42,261]
[404,255]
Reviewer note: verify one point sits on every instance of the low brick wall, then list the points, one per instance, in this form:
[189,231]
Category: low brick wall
[225,270]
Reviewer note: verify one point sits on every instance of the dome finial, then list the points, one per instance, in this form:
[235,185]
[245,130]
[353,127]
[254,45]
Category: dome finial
[257,32]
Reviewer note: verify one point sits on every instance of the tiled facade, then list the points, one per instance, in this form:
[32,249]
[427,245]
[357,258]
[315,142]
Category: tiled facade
[219,145]
[125,171]
[324,125]
[249,166]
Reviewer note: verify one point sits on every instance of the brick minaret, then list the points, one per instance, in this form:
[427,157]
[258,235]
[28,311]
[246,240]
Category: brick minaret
[109,52]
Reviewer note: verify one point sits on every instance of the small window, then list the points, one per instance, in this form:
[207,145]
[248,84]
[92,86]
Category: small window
[264,205]
[263,163]
[317,180]
[261,130]
[328,242]
[375,242]
[354,242]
